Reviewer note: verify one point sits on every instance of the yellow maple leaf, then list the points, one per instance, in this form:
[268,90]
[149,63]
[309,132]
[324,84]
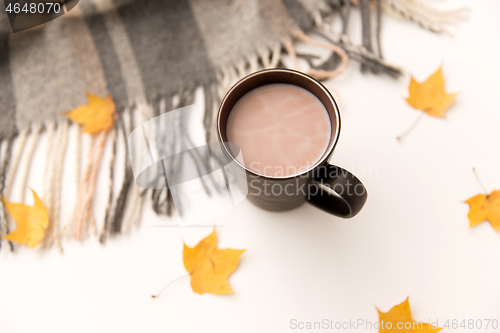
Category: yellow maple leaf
[96,116]
[31,221]
[430,95]
[210,267]
[485,208]
[399,319]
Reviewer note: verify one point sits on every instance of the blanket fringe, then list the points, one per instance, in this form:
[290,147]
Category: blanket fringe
[69,228]
[16,158]
[36,131]
[50,143]
[6,156]
[133,216]
[85,215]
[107,217]
[57,139]
[143,113]
[57,180]
[117,219]
[426,16]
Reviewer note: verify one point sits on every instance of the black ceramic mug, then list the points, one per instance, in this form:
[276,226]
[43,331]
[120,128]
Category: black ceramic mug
[329,187]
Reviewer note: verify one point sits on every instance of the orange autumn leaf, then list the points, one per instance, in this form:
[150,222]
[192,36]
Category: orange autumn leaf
[210,267]
[400,315]
[485,208]
[31,222]
[96,116]
[430,96]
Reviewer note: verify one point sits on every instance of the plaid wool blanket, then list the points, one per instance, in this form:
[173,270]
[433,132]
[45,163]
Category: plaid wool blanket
[151,56]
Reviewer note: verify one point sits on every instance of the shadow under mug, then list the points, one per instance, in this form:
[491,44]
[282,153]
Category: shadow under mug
[329,187]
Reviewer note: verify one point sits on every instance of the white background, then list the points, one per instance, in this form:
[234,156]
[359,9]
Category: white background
[411,239]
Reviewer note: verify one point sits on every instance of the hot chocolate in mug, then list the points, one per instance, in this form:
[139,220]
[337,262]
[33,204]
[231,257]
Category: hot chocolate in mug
[287,125]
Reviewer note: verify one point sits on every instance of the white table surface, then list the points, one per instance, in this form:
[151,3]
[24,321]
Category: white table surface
[411,239]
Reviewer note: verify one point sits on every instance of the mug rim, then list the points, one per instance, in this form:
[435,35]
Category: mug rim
[326,154]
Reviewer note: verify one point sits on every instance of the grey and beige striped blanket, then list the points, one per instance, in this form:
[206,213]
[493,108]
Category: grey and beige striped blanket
[150,51]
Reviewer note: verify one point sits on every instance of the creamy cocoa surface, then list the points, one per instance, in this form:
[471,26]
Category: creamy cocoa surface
[282,129]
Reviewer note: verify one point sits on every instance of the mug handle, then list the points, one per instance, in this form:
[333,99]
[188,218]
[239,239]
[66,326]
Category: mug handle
[337,192]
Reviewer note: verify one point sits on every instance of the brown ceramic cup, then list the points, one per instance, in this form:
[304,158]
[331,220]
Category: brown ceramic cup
[329,187]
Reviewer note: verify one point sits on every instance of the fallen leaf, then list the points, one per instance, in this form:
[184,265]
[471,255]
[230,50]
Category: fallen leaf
[96,116]
[485,208]
[210,267]
[430,95]
[31,221]
[399,316]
